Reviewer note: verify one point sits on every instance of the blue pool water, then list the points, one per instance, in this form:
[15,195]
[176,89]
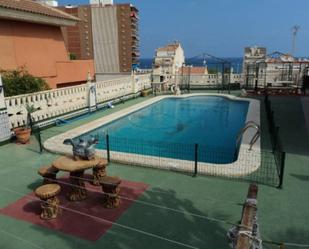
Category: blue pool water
[172,127]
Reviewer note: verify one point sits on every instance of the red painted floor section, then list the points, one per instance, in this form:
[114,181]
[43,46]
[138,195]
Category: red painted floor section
[72,223]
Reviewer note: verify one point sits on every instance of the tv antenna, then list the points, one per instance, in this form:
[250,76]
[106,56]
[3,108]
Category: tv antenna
[295,29]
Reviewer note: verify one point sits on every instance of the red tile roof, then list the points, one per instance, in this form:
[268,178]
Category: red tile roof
[36,8]
[169,47]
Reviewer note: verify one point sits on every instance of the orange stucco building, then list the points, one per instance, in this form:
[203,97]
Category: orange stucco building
[30,37]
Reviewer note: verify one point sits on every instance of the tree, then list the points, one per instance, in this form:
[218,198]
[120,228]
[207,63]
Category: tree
[19,81]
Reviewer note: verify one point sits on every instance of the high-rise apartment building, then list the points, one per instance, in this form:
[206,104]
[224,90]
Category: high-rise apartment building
[107,33]
[78,38]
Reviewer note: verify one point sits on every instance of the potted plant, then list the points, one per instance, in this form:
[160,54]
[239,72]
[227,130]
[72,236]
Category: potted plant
[145,92]
[23,133]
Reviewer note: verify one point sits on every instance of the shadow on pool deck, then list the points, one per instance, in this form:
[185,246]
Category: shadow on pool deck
[301,177]
[183,229]
[289,115]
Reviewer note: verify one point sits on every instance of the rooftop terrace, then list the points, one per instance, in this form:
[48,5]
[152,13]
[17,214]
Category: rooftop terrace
[176,210]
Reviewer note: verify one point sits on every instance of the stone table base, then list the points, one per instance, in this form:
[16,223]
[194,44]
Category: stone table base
[78,191]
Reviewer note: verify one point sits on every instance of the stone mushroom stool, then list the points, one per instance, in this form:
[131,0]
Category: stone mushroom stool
[99,171]
[50,203]
[111,189]
[48,173]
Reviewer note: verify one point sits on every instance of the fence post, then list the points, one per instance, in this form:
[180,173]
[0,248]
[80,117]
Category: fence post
[40,139]
[107,148]
[276,139]
[195,158]
[281,170]
[271,121]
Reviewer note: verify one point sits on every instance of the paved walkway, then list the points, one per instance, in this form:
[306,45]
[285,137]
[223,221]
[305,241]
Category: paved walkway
[289,116]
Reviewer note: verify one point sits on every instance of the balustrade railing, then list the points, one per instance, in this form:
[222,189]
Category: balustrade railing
[59,102]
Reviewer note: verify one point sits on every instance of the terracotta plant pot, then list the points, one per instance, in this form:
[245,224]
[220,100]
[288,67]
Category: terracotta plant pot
[22,135]
[145,93]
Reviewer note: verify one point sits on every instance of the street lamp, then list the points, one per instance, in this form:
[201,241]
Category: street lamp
[190,66]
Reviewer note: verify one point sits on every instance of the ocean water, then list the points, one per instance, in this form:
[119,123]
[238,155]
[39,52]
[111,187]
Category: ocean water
[171,128]
[236,63]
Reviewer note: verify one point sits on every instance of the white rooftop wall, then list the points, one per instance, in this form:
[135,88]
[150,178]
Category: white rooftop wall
[103,2]
[52,3]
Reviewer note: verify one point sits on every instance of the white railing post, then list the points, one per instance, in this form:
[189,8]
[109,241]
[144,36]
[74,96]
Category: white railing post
[92,94]
[133,82]
[5,132]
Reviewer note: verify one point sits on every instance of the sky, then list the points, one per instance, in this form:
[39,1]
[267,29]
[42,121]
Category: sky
[220,27]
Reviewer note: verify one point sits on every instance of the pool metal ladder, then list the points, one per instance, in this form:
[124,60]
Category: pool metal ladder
[250,124]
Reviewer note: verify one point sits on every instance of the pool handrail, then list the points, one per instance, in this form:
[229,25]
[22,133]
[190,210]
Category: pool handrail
[249,124]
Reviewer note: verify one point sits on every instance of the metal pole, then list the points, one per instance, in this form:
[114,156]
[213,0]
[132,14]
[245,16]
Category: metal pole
[266,99]
[189,79]
[281,170]
[247,77]
[229,78]
[181,75]
[222,78]
[276,140]
[195,158]
[107,148]
[256,77]
[40,139]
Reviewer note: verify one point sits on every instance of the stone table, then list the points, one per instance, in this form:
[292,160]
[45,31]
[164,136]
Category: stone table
[76,169]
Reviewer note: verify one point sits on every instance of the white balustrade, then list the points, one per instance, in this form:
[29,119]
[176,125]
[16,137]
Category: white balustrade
[55,103]
[143,81]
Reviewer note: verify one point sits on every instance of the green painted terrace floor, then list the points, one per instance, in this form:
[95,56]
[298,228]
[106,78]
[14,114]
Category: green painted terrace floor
[177,208]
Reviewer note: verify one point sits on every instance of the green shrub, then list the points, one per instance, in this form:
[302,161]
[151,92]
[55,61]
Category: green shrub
[19,81]
[73,57]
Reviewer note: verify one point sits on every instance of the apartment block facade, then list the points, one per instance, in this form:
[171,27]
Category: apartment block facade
[169,59]
[273,70]
[107,33]
[78,38]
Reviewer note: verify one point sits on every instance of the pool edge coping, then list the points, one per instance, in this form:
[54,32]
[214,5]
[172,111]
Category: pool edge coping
[243,164]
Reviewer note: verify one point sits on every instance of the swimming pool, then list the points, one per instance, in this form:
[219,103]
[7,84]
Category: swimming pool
[164,127]
[177,154]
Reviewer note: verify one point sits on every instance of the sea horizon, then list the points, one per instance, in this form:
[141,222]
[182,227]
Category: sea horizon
[236,63]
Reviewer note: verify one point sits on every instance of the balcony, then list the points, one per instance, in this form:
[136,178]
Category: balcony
[134,15]
[135,37]
[136,53]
